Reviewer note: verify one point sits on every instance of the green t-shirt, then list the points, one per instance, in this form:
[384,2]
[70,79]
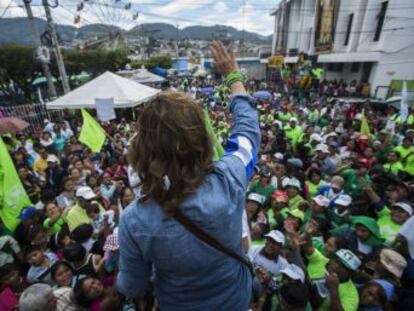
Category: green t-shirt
[316,265]
[276,220]
[409,165]
[388,228]
[407,158]
[293,134]
[313,116]
[410,119]
[313,189]
[352,185]
[55,228]
[403,152]
[284,116]
[295,202]
[266,191]
[348,296]
[393,168]
[261,242]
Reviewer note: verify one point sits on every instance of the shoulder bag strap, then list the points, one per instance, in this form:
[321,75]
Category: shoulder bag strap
[208,239]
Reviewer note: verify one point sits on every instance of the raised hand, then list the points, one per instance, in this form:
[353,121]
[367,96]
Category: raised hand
[224,59]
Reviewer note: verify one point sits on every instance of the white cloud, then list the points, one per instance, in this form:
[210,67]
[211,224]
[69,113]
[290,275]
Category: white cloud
[220,7]
[180,6]
[246,18]
[10,9]
[254,16]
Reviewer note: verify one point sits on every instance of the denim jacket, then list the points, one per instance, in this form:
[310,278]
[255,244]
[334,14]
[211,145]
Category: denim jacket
[189,274]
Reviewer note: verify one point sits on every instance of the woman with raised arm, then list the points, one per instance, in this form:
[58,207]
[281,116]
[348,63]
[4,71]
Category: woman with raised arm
[173,156]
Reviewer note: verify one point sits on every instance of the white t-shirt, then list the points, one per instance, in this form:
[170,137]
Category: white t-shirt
[270,265]
[364,248]
[134,181]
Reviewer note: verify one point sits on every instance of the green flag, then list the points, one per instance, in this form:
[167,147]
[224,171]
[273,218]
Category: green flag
[364,125]
[92,134]
[218,148]
[13,196]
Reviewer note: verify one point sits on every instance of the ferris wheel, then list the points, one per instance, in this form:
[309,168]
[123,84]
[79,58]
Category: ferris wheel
[113,17]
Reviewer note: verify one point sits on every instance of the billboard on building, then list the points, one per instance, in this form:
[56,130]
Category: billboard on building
[325,30]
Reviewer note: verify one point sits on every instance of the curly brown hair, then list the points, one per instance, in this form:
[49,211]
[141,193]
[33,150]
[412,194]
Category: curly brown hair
[172,140]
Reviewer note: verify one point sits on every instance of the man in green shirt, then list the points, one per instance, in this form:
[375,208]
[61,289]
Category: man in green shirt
[77,215]
[284,115]
[332,278]
[406,151]
[394,165]
[293,132]
[354,178]
[293,188]
[263,186]
[390,221]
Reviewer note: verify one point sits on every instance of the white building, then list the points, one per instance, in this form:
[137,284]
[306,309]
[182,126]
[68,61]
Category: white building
[367,40]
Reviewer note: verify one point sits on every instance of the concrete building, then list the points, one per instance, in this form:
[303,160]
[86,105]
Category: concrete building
[365,40]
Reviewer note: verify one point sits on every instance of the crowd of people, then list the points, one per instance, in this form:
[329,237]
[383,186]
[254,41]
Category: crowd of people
[328,213]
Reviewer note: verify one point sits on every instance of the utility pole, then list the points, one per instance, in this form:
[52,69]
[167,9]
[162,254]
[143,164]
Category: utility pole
[55,43]
[177,38]
[36,38]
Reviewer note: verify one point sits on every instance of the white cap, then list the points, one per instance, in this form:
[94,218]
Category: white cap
[343,200]
[321,200]
[278,155]
[332,134]
[405,206]
[294,272]
[85,193]
[293,119]
[295,162]
[293,182]
[322,147]
[348,259]
[52,158]
[255,197]
[315,137]
[276,236]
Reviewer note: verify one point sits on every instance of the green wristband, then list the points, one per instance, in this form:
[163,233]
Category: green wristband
[232,77]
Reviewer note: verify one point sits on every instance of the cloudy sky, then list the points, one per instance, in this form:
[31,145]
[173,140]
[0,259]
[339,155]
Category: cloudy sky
[252,15]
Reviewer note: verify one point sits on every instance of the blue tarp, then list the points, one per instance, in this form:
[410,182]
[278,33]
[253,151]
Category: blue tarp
[159,71]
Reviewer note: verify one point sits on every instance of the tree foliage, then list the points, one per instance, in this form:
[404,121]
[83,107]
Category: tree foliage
[18,69]
[163,61]
[94,61]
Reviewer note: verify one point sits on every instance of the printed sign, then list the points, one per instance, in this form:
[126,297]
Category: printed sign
[105,109]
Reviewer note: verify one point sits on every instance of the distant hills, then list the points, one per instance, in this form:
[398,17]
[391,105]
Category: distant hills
[17,30]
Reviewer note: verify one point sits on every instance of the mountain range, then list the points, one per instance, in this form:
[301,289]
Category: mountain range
[17,30]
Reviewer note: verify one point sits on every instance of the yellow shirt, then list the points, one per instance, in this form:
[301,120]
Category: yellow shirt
[77,216]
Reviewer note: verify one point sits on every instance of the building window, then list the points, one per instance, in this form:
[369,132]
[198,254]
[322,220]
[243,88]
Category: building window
[336,67]
[355,67]
[381,18]
[348,29]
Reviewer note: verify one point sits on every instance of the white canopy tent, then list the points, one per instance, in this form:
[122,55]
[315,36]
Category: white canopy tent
[126,93]
[144,76]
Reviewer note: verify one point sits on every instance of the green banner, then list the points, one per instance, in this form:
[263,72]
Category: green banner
[92,133]
[13,196]
[218,148]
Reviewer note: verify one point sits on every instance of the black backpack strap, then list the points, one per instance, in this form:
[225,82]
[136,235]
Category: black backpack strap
[208,239]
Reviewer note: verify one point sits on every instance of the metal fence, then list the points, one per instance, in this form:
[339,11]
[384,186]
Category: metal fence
[34,114]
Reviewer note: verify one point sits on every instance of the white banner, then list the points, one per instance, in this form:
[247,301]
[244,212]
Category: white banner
[404,102]
[105,109]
